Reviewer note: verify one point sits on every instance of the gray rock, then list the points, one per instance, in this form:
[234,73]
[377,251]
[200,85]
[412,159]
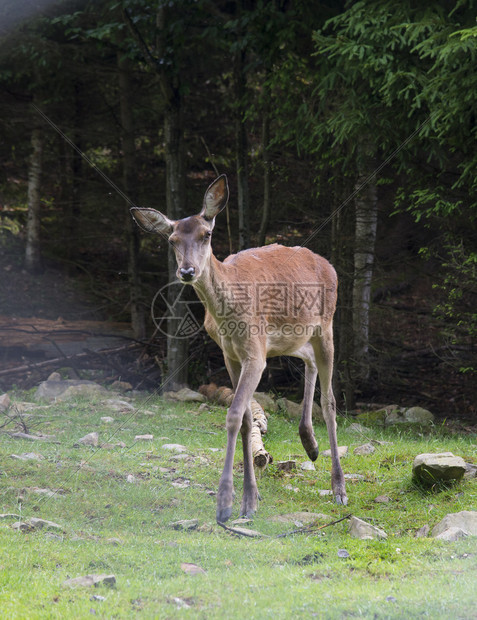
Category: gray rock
[121,386]
[119,405]
[365,531]
[342,451]
[185,395]
[50,390]
[470,471]
[432,468]
[354,477]
[413,415]
[27,437]
[358,428]
[91,439]
[174,447]
[9,515]
[22,526]
[325,492]
[185,524]
[144,438]
[289,407]
[382,499]
[90,580]
[40,524]
[55,376]
[107,419]
[308,466]
[451,534]
[4,402]
[466,520]
[364,450]
[423,531]
[265,401]
[28,456]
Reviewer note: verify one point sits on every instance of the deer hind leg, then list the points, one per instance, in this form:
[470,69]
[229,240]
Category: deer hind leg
[324,351]
[305,428]
[239,417]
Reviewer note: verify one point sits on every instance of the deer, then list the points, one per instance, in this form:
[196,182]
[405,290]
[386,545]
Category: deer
[259,303]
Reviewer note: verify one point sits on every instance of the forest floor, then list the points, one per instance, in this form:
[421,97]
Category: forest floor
[116,511]
[417,364]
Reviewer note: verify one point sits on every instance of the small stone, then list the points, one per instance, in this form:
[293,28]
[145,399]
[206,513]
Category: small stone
[452,534]
[204,407]
[174,447]
[97,597]
[181,484]
[289,407]
[286,465]
[130,478]
[466,520]
[144,438]
[121,386]
[342,451]
[354,477]
[91,439]
[364,450]
[192,569]
[470,471]
[324,492]
[185,395]
[443,467]
[40,524]
[265,401]
[308,466]
[9,515]
[107,419]
[28,456]
[365,531]
[119,405]
[22,526]
[185,524]
[391,599]
[55,376]
[243,531]
[342,553]
[423,531]
[4,402]
[382,499]
[90,580]
[418,415]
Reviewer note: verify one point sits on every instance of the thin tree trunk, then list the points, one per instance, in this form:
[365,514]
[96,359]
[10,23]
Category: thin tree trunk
[266,175]
[131,188]
[32,249]
[366,218]
[241,149]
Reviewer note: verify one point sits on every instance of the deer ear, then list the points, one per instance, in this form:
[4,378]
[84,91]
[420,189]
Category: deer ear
[215,198]
[152,221]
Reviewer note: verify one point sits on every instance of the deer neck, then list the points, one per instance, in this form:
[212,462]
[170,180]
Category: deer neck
[211,285]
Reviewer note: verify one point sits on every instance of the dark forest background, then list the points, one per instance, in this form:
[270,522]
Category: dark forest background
[348,127]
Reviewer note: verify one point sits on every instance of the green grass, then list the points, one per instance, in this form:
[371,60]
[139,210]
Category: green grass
[299,576]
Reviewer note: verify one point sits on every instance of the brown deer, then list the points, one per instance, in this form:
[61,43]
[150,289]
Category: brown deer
[260,303]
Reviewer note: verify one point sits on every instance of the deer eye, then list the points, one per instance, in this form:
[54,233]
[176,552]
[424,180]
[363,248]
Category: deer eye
[208,235]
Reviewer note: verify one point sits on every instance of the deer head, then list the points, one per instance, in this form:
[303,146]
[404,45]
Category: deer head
[190,237]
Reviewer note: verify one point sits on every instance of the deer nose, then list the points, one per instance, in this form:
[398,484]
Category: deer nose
[187,274]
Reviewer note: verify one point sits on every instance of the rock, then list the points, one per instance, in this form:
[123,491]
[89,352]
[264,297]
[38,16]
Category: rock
[107,419]
[265,401]
[22,526]
[9,515]
[204,407]
[248,533]
[27,437]
[90,580]
[466,520]
[423,531]
[452,534]
[116,542]
[358,428]
[174,447]
[192,569]
[4,402]
[55,376]
[144,438]
[413,415]
[364,450]
[40,524]
[305,518]
[185,395]
[365,531]
[470,471]
[432,468]
[342,451]
[121,386]
[112,446]
[354,477]
[286,465]
[325,492]
[130,478]
[343,553]
[47,492]
[28,456]
[69,388]
[185,524]
[373,417]
[308,466]
[119,405]
[289,407]
[382,499]
[91,439]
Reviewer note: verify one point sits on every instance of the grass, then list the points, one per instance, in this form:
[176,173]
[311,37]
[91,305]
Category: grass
[114,526]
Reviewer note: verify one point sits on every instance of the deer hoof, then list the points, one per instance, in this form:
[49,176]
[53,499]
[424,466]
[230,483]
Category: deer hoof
[223,514]
[341,499]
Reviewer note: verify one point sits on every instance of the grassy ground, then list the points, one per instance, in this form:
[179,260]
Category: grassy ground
[115,526]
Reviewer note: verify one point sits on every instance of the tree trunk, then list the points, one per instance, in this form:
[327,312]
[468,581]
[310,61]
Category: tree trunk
[32,249]
[131,189]
[366,218]
[266,175]
[241,149]
[342,259]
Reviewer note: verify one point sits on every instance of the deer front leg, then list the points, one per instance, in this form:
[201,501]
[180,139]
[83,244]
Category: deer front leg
[247,384]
